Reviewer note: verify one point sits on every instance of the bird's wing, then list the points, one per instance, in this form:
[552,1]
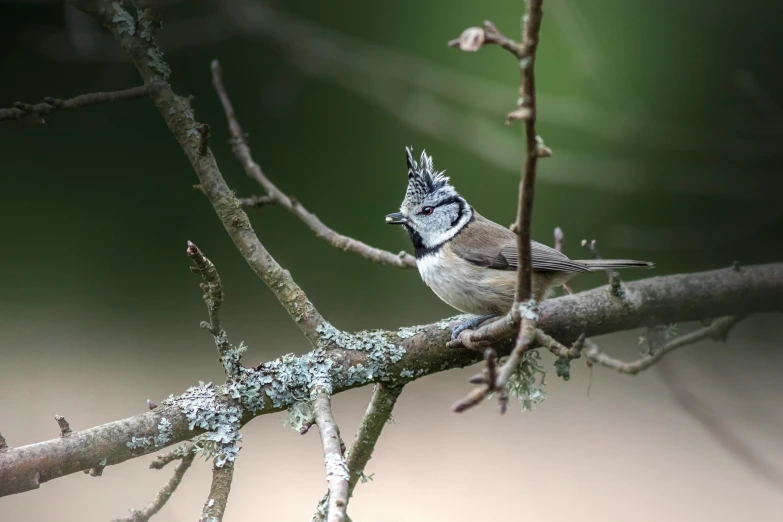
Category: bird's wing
[493,246]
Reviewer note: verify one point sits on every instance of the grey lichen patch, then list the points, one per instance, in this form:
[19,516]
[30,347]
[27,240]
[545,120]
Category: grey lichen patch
[408,374]
[380,352]
[524,383]
[139,443]
[563,368]
[408,331]
[293,377]
[122,19]
[300,414]
[157,63]
[164,433]
[204,409]
[358,375]
[248,389]
[336,466]
[147,26]
[231,357]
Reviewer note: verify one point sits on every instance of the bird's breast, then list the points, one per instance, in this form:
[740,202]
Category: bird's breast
[465,286]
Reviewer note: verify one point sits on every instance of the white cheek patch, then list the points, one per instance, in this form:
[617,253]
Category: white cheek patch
[431,241]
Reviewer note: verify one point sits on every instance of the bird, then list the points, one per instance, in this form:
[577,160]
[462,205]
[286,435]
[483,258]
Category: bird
[469,261]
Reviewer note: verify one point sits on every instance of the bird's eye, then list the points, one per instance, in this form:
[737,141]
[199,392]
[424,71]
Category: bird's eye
[427,211]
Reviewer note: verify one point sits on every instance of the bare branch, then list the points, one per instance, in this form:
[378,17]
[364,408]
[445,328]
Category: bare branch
[253,170]
[336,467]
[717,331]
[215,506]
[405,355]
[36,112]
[257,201]
[524,301]
[527,101]
[143,515]
[378,413]
[65,428]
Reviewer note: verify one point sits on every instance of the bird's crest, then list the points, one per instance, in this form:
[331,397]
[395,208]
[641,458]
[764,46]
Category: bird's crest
[423,179]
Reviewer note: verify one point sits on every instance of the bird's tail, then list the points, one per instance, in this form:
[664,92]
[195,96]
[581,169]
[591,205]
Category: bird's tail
[604,264]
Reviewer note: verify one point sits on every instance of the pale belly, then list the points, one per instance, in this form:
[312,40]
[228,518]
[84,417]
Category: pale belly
[466,287]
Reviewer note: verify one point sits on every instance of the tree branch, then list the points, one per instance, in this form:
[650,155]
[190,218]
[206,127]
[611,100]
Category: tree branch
[143,515]
[336,467]
[376,417]
[399,357]
[717,331]
[215,506]
[524,301]
[253,170]
[22,110]
[213,297]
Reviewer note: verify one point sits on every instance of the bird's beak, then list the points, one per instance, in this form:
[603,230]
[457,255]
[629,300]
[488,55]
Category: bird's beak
[396,219]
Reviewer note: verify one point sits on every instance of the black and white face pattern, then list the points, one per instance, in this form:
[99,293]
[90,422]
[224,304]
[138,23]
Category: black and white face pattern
[435,212]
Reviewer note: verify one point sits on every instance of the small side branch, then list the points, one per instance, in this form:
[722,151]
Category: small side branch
[213,297]
[717,331]
[375,419]
[253,170]
[22,110]
[336,467]
[142,515]
[65,428]
[178,453]
[215,506]
[495,379]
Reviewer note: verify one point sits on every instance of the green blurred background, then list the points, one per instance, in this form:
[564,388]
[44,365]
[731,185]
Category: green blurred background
[665,126]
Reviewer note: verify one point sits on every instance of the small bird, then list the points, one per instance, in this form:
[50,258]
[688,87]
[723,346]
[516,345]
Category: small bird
[469,261]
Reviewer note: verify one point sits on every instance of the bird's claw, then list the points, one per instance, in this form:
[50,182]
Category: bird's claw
[470,325]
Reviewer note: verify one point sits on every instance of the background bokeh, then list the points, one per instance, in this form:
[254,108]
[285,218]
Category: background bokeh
[665,123]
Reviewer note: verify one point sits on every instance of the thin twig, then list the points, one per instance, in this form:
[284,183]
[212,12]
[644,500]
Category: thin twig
[559,241]
[22,110]
[178,453]
[215,506]
[257,201]
[142,515]
[65,428]
[336,467]
[717,331]
[213,297]
[253,170]
[378,413]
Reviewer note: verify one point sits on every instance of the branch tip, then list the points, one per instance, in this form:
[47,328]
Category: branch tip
[65,428]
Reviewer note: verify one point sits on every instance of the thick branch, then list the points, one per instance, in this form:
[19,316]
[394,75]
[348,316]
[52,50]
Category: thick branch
[376,417]
[143,515]
[253,170]
[215,506]
[408,354]
[25,110]
[334,461]
[176,111]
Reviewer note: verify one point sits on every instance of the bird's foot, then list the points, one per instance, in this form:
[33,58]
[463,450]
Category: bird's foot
[471,324]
